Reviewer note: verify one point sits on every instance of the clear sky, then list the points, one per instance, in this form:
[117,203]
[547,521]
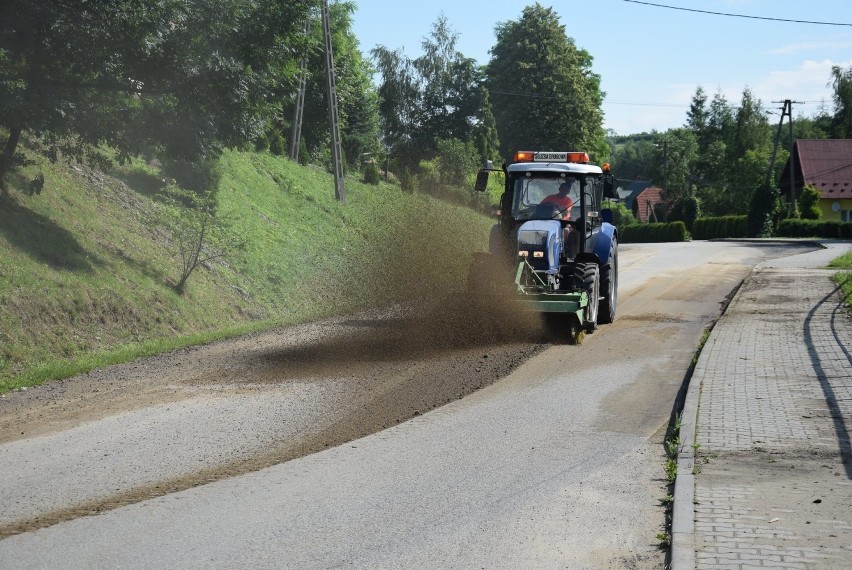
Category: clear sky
[651,59]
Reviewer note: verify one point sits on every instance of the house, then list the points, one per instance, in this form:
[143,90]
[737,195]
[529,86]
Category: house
[628,193]
[827,166]
[645,204]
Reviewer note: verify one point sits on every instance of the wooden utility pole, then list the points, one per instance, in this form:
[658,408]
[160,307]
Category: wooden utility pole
[296,137]
[336,147]
[334,121]
[787,111]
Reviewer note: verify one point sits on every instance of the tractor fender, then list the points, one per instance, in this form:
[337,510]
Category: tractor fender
[497,240]
[605,239]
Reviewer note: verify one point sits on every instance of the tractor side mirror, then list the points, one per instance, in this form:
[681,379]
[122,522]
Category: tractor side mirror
[481,181]
[610,186]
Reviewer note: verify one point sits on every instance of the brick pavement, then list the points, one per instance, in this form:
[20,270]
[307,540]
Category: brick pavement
[770,406]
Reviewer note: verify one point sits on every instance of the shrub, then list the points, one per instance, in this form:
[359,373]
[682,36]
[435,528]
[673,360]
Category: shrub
[371,173]
[687,210]
[408,181]
[720,227]
[621,214]
[653,233]
[808,203]
[762,210]
[814,228]
[304,155]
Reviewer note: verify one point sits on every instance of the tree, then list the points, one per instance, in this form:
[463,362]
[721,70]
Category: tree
[398,98]
[733,153]
[485,136]
[721,119]
[751,128]
[456,160]
[698,118]
[546,95]
[633,155]
[196,233]
[435,97]
[675,154]
[450,90]
[185,77]
[842,82]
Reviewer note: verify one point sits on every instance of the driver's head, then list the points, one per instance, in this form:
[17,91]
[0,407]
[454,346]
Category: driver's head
[565,187]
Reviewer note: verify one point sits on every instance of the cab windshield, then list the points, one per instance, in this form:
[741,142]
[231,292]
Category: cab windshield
[531,189]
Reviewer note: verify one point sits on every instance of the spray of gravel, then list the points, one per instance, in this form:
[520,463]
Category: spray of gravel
[416,268]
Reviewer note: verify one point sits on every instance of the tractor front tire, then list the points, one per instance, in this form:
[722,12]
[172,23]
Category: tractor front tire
[587,278]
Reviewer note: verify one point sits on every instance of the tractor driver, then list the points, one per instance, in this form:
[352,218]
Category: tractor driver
[564,202]
[562,199]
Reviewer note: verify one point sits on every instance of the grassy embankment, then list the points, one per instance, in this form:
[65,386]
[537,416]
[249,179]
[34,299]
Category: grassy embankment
[844,278]
[85,283]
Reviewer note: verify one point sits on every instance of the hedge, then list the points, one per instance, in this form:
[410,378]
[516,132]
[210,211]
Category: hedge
[650,233]
[720,227]
[814,228]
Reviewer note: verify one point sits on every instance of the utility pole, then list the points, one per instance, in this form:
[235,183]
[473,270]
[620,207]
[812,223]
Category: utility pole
[665,167]
[665,171]
[787,111]
[336,153]
[296,136]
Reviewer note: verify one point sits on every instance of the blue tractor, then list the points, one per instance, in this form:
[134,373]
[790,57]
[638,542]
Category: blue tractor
[554,249]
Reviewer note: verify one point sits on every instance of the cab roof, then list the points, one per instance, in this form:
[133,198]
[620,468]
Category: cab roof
[555,167]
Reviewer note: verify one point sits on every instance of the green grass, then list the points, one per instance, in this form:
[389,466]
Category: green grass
[85,283]
[844,278]
[842,262]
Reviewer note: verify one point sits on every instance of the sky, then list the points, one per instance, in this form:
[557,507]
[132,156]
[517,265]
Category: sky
[651,59]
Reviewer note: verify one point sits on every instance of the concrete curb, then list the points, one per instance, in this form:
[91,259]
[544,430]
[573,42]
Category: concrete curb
[683,515]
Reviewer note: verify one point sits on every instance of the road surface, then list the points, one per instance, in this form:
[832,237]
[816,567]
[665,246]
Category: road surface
[376,441]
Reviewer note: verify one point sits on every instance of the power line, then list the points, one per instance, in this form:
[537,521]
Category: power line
[738,15]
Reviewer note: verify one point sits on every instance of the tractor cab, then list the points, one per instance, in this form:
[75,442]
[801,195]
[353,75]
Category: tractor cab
[552,229]
[533,182]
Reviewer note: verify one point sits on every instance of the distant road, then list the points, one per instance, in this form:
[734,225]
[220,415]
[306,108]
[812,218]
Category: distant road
[558,464]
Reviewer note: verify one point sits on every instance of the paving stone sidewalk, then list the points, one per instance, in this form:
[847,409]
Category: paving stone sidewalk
[769,483]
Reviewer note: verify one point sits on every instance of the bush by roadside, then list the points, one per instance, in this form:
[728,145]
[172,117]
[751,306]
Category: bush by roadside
[844,278]
[814,228]
[720,227]
[653,233]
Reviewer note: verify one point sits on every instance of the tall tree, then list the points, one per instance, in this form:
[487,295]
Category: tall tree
[842,83]
[434,97]
[675,154]
[184,76]
[698,117]
[485,135]
[751,127]
[449,87]
[721,118]
[545,92]
[398,98]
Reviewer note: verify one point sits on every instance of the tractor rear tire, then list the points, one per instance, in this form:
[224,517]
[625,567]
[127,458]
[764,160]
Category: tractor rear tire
[609,286]
[587,278]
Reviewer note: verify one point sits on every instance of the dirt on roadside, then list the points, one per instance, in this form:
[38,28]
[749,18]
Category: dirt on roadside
[383,369]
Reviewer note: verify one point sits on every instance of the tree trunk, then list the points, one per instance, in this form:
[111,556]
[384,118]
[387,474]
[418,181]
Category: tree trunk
[8,156]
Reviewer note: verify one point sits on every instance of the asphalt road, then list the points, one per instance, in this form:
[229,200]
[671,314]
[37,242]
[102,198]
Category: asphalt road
[362,443]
